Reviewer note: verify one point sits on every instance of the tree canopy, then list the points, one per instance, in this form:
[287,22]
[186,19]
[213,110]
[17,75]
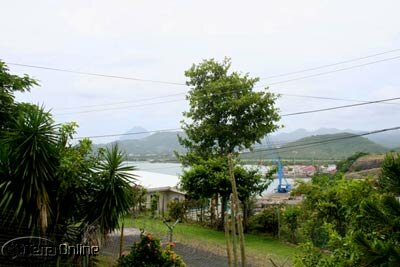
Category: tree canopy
[225,113]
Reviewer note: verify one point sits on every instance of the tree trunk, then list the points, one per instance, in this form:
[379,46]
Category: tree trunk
[121,240]
[233,231]
[235,208]
[212,211]
[245,215]
[228,239]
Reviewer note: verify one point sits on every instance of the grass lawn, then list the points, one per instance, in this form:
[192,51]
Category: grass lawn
[259,248]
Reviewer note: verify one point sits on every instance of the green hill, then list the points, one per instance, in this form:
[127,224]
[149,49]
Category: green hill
[161,146]
[308,148]
[156,146]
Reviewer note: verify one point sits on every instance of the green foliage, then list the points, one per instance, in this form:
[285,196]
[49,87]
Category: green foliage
[225,113]
[210,177]
[291,219]
[312,257]
[177,210]
[360,219]
[149,253]
[378,237]
[9,84]
[113,194]
[207,178]
[154,203]
[65,192]
[389,179]
[344,165]
[139,198]
[32,160]
[265,221]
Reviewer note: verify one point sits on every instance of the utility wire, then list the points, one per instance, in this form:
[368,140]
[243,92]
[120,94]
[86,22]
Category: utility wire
[337,99]
[122,134]
[122,102]
[332,71]
[175,83]
[116,108]
[95,74]
[184,84]
[179,94]
[283,115]
[339,107]
[328,65]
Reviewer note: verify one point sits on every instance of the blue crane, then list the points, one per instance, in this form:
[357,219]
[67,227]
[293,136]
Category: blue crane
[283,185]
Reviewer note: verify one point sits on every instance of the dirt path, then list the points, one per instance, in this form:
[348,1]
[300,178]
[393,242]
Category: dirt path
[193,256]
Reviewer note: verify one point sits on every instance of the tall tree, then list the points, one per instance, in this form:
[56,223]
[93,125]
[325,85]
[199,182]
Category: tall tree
[225,116]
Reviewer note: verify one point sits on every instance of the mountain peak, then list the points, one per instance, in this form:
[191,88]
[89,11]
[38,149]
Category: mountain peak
[142,133]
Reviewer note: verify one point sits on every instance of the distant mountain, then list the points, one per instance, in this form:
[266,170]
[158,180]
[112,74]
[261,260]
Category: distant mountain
[163,144]
[337,149]
[136,129]
[387,139]
[158,143]
[282,137]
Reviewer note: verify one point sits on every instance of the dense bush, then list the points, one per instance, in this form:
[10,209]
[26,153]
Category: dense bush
[265,221]
[177,210]
[149,253]
[154,204]
[291,222]
[355,221]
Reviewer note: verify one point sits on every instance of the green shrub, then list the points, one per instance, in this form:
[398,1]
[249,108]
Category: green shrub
[154,204]
[291,221]
[149,253]
[265,221]
[177,210]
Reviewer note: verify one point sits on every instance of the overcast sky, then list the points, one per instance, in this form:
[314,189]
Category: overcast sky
[161,39]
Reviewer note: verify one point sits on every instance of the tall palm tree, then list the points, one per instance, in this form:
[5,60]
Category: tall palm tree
[114,192]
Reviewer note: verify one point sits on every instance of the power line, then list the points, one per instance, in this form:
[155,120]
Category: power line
[116,108]
[283,115]
[335,98]
[184,84]
[328,65]
[130,78]
[179,94]
[122,134]
[339,107]
[332,71]
[123,102]
[174,83]
[96,74]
